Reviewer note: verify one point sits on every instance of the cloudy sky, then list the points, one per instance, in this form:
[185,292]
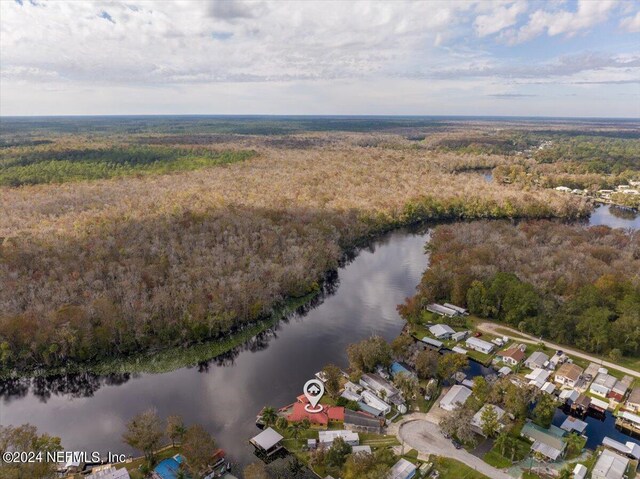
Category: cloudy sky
[551,58]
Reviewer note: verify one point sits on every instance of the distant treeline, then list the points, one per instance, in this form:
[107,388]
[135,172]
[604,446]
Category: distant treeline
[571,284]
[21,166]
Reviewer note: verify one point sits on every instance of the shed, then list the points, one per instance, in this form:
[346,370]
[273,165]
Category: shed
[572,424]
[267,442]
[402,469]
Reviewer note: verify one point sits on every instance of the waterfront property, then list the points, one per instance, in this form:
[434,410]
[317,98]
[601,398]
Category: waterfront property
[546,442]
[569,396]
[441,331]
[629,449]
[628,421]
[328,415]
[479,345]
[537,360]
[381,387]
[572,424]
[401,368]
[458,309]
[610,465]
[538,377]
[268,442]
[569,375]
[512,356]
[442,310]
[375,402]
[455,397]
[402,469]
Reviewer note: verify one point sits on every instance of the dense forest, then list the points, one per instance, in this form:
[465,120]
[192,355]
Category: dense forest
[108,267]
[568,283]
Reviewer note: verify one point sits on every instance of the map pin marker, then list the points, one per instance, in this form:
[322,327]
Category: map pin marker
[313,390]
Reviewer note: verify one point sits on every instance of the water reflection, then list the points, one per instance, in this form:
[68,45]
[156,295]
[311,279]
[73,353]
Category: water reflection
[224,394]
[615,217]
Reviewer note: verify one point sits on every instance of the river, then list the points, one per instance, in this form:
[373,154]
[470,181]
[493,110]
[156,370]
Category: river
[89,413]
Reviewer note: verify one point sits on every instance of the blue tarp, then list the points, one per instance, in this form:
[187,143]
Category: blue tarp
[168,468]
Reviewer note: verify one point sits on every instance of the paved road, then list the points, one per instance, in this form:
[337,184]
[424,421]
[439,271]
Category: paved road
[423,435]
[491,328]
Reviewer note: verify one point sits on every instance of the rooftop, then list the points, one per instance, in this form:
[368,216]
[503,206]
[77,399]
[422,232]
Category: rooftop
[267,439]
[439,330]
[610,466]
[570,371]
[634,396]
[456,395]
[401,470]
[514,353]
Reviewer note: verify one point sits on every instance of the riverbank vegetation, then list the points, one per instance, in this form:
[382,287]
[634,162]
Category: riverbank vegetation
[568,283]
[107,268]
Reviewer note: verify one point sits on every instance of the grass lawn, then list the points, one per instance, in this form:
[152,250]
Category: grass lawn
[494,458]
[452,469]
[378,440]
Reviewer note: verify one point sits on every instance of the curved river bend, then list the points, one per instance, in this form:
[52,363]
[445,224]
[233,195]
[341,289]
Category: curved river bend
[89,413]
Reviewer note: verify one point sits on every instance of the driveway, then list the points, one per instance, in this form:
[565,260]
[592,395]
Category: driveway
[424,436]
[492,328]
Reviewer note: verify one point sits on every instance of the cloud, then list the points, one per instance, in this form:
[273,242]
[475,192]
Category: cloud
[563,22]
[631,24]
[562,67]
[230,9]
[499,19]
[506,96]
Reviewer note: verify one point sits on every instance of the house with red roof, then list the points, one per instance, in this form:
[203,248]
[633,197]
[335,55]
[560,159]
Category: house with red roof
[328,415]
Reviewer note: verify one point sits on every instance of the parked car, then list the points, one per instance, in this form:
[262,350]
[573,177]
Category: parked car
[456,444]
[478,334]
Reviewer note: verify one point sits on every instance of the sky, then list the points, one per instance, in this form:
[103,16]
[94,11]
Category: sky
[570,58]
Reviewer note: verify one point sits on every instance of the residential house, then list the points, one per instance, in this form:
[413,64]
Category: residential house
[629,449]
[326,438]
[460,310]
[548,388]
[581,404]
[455,397]
[477,423]
[568,396]
[402,469]
[603,384]
[619,390]
[599,405]
[442,310]
[441,331]
[363,406]
[512,356]
[362,421]
[323,418]
[374,401]
[350,395]
[580,471]
[460,335]
[610,465]
[538,377]
[546,442]
[381,387]
[401,368]
[479,345]
[537,360]
[633,401]
[569,374]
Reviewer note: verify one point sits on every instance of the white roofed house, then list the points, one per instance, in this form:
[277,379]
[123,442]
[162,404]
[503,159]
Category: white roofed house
[326,438]
[479,345]
[402,469]
[477,423]
[538,377]
[441,331]
[603,384]
[383,388]
[456,308]
[442,310]
[537,360]
[455,398]
[610,465]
